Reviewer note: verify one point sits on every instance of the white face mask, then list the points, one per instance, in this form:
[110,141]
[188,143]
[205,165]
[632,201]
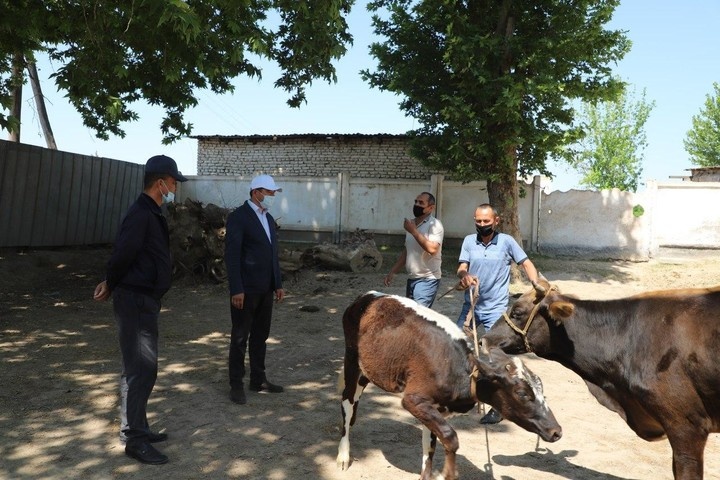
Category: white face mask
[168,197]
[267,202]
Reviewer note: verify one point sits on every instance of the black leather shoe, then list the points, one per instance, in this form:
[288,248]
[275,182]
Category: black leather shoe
[491,418]
[237,395]
[157,437]
[151,436]
[266,386]
[145,453]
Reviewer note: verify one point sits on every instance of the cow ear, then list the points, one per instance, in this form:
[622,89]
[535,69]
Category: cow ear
[561,311]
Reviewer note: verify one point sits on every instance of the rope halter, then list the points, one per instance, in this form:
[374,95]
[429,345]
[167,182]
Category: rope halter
[523,332]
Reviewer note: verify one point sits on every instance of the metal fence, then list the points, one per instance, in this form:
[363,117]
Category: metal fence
[52,198]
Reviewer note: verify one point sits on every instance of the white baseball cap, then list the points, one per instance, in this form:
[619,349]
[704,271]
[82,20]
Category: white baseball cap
[266,182]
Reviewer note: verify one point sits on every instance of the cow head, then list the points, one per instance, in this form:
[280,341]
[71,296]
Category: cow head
[508,385]
[532,322]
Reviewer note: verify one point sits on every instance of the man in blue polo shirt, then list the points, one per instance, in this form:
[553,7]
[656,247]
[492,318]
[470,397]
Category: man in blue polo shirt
[485,260]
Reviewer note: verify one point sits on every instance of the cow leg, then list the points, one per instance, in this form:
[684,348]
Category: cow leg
[429,441]
[355,383]
[423,409]
[688,451]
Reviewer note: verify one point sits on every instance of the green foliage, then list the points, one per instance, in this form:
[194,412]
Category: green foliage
[491,82]
[611,153]
[703,141]
[114,54]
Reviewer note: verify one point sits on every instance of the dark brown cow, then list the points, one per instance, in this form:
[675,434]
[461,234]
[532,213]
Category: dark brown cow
[652,358]
[403,347]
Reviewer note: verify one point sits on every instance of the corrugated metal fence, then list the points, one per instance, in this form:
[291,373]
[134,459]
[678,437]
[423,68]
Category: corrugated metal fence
[53,198]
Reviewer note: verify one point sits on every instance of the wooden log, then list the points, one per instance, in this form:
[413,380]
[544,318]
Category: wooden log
[197,239]
[290,260]
[360,258]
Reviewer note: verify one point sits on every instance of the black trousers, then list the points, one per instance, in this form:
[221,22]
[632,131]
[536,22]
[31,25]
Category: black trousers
[136,316]
[250,326]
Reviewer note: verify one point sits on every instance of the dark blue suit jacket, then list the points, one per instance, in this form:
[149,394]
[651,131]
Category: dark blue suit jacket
[252,260]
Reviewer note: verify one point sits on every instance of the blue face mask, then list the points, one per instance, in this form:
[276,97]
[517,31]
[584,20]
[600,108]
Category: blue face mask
[168,197]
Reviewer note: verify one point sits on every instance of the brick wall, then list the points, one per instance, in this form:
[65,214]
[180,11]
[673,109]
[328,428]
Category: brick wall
[364,156]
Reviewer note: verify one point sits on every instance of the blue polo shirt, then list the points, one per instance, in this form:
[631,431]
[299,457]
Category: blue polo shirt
[491,264]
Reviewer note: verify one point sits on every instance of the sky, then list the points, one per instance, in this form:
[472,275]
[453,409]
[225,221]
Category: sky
[674,57]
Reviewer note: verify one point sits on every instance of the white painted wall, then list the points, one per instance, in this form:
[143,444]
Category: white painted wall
[577,223]
[687,215]
[580,222]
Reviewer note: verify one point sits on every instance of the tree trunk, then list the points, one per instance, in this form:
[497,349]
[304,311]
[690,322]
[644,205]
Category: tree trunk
[40,105]
[504,195]
[16,111]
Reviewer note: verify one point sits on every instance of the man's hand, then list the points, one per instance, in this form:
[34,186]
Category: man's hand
[388,279]
[238,300]
[409,226]
[279,294]
[102,292]
[468,280]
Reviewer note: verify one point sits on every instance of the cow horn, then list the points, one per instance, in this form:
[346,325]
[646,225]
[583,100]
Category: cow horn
[484,348]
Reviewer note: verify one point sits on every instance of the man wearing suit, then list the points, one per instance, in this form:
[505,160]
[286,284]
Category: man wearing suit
[251,257]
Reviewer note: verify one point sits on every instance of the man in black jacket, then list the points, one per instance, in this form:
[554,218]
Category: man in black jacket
[253,266]
[138,275]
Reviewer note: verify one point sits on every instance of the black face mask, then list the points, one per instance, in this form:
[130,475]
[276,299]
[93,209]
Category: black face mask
[484,231]
[418,211]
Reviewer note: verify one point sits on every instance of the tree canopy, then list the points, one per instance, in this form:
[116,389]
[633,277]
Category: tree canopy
[703,140]
[113,54]
[611,153]
[490,82]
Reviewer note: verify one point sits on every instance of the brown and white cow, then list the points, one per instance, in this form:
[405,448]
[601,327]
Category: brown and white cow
[652,358]
[403,347]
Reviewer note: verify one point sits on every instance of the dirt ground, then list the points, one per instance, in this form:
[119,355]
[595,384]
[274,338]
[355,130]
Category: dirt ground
[59,365]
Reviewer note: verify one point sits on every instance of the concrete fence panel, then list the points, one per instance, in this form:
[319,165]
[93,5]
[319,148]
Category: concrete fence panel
[687,215]
[605,224]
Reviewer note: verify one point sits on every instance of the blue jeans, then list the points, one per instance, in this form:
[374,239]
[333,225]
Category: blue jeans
[483,321]
[422,290]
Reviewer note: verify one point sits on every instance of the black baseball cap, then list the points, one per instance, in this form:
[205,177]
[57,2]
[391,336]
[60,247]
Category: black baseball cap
[166,165]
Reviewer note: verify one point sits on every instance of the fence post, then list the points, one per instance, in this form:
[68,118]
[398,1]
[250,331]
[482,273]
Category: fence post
[535,206]
[343,205]
[436,187]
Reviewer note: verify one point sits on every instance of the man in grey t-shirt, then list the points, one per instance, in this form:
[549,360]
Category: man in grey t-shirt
[422,254]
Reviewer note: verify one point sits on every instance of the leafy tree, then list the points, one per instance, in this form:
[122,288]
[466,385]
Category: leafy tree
[703,141]
[490,81]
[610,154]
[113,54]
